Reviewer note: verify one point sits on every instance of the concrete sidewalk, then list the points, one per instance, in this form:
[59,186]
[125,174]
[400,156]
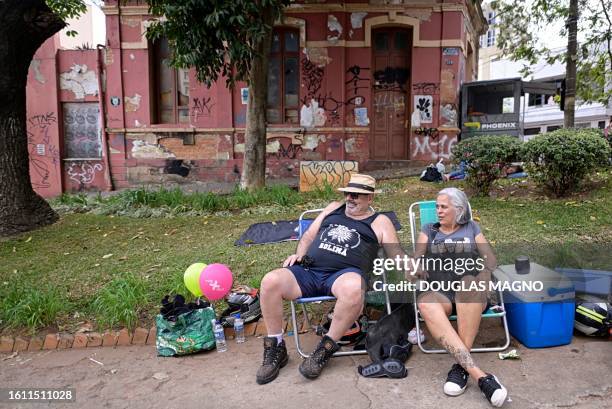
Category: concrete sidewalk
[576,375]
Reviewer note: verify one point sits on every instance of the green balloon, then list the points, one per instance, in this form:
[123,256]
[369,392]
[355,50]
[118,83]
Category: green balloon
[192,278]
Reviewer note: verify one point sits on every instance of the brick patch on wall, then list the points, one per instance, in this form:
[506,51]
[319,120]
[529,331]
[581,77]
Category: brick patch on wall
[140,336]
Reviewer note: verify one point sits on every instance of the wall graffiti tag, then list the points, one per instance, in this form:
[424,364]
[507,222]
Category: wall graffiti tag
[383,100]
[355,96]
[391,78]
[39,139]
[201,107]
[82,137]
[431,148]
[83,173]
[315,174]
[356,81]
[426,88]
[312,75]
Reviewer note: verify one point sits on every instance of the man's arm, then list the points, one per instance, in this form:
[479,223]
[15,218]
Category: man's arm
[310,234]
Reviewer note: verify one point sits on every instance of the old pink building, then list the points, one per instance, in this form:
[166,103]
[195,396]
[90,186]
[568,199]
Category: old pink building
[373,82]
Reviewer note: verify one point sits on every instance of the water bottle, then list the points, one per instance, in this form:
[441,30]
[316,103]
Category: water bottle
[239,329]
[219,336]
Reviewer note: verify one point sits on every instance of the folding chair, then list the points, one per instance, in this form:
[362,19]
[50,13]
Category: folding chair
[427,214]
[303,225]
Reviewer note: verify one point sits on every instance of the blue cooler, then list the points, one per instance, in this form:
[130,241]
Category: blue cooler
[538,318]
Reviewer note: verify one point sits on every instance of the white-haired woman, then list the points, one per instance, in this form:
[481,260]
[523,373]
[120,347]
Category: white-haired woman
[446,247]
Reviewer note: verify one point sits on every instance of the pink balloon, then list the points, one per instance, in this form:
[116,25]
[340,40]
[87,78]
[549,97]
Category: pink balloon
[216,281]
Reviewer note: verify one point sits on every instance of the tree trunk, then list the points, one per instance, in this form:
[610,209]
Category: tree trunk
[24,26]
[570,65]
[254,162]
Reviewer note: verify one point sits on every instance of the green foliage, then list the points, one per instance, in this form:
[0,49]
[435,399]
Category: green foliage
[561,160]
[169,202]
[520,23]
[485,157]
[66,9]
[215,37]
[120,301]
[25,305]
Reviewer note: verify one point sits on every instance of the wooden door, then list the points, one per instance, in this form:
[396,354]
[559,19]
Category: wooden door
[391,96]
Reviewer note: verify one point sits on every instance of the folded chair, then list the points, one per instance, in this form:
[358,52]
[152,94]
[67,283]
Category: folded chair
[421,213]
[303,225]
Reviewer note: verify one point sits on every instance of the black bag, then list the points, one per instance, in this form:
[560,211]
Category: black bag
[431,174]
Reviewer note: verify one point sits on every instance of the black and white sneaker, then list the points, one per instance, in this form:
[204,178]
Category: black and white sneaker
[456,381]
[493,390]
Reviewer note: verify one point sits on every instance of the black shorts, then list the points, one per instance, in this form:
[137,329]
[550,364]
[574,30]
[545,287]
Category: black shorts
[315,283]
[450,295]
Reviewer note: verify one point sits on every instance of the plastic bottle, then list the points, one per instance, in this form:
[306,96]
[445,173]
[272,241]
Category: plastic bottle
[239,329]
[219,336]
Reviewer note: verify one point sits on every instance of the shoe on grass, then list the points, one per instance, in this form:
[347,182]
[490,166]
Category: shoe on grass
[456,381]
[312,366]
[275,357]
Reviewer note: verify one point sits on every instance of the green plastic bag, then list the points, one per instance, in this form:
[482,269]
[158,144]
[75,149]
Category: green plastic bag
[192,332]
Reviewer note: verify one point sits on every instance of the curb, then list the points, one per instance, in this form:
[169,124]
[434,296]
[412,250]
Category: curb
[140,336]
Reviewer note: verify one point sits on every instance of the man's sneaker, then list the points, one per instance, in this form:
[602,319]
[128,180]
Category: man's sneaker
[312,366]
[493,390]
[456,381]
[275,357]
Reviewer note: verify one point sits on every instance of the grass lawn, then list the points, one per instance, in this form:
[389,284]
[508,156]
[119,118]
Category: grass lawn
[106,270]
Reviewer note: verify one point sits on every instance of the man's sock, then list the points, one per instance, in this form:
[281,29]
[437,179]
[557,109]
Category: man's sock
[279,337]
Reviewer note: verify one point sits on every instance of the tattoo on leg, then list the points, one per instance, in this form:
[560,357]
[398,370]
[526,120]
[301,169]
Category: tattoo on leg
[462,355]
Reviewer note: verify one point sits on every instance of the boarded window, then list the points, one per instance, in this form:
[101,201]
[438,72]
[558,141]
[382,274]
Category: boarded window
[171,87]
[82,130]
[283,77]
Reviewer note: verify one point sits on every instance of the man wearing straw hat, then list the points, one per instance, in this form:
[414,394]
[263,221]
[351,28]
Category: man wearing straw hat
[332,258]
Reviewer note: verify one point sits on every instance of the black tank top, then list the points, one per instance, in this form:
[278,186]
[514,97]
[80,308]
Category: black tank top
[343,242]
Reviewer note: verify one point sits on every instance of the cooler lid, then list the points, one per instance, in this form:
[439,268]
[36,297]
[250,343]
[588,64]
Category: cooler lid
[540,285]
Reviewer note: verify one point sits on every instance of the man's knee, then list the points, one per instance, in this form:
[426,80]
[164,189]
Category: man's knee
[271,283]
[350,289]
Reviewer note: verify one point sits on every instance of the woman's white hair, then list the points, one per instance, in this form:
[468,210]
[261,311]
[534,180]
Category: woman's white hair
[460,202]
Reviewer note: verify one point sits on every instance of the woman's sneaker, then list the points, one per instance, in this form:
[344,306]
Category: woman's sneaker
[412,336]
[493,390]
[456,381]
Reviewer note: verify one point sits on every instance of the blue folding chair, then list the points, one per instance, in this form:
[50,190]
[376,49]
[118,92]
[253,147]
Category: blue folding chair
[303,225]
[425,214]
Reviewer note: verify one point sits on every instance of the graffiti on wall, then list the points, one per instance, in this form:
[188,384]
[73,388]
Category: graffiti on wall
[201,107]
[423,104]
[356,83]
[83,173]
[39,145]
[312,77]
[82,137]
[315,174]
[389,100]
[285,146]
[432,147]
[392,79]
[426,88]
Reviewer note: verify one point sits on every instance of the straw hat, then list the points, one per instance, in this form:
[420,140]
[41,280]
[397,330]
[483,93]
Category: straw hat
[360,184]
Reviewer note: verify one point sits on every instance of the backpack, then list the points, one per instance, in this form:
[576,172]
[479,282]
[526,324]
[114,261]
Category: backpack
[431,174]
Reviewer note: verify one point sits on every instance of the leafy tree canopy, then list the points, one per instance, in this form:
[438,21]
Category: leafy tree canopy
[522,22]
[214,37]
